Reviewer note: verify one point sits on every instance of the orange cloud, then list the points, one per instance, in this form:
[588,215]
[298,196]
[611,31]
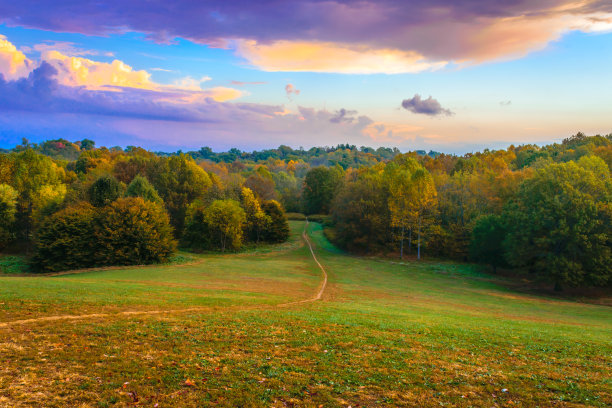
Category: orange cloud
[315,56]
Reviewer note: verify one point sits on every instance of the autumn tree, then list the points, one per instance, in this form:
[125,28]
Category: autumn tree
[360,211]
[140,187]
[225,221]
[277,229]
[132,231]
[398,179]
[179,181]
[320,187]
[8,208]
[65,240]
[257,221]
[423,202]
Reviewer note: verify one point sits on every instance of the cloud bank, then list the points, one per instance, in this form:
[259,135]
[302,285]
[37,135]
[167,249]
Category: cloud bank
[367,36]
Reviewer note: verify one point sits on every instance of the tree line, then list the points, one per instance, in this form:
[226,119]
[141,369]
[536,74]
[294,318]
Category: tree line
[540,210]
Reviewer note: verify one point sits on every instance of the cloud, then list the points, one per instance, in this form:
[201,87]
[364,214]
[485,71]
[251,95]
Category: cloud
[243,83]
[429,106]
[291,90]
[343,116]
[331,57]
[116,76]
[13,63]
[367,36]
[506,103]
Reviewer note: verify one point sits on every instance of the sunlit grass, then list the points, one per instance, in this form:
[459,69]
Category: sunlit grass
[412,334]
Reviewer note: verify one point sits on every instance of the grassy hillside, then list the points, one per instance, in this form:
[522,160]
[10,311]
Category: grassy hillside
[210,332]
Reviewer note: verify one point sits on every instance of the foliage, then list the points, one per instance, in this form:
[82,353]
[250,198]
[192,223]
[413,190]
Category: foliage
[257,221]
[140,187]
[320,187]
[224,220]
[278,226]
[132,231]
[66,240]
[8,208]
[104,191]
[179,181]
[559,225]
[487,240]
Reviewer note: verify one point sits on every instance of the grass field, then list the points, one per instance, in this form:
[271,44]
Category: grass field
[210,332]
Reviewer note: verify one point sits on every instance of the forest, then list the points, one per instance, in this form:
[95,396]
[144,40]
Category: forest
[542,212]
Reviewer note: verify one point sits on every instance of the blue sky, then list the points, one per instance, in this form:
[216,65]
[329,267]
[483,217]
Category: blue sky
[229,88]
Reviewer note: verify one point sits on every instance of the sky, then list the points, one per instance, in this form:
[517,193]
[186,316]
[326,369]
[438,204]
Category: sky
[454,76]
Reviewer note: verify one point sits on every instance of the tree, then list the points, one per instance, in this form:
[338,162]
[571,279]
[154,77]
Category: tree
[423,201]
[104,191]
[132,231]
[179,181]
[320,187]
[398,178]
[225,221]
[65,240]
[360,212]
[278,228]
[488,236]
[559,226]
[257,221]
[29,174]
[140,187]
[8,208]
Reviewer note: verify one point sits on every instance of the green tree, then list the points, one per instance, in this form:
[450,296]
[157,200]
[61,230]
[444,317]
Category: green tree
[320,187]
[8,208]
[140,187]
[105,190]
[277,230]
[132,231]
[488,236]
[559,226]
[179,181]
[65,240]
[360,212]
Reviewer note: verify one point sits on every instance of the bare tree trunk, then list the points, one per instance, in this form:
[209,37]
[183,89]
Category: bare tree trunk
[419,244]
[410,241]
[402,244]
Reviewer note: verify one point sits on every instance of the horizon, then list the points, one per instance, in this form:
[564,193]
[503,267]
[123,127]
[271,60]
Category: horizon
[443,76]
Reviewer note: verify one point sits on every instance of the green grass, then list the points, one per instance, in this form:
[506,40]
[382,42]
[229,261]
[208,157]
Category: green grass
[385,334]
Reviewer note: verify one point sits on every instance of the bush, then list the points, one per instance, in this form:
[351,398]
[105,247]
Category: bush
[132,231]
[295,216]
[129,231]
[278,228]
[219,226]
[65,240]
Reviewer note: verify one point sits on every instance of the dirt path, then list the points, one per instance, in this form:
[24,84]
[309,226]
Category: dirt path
[193,309]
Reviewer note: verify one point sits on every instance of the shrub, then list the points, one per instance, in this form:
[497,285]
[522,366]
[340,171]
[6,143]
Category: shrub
[132,231]
[278,228]
[65,240]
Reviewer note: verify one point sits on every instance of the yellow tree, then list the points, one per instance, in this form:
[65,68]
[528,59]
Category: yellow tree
[422,201]
[398,177]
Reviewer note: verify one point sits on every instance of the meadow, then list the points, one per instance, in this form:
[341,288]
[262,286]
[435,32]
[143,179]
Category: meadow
[230,330]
